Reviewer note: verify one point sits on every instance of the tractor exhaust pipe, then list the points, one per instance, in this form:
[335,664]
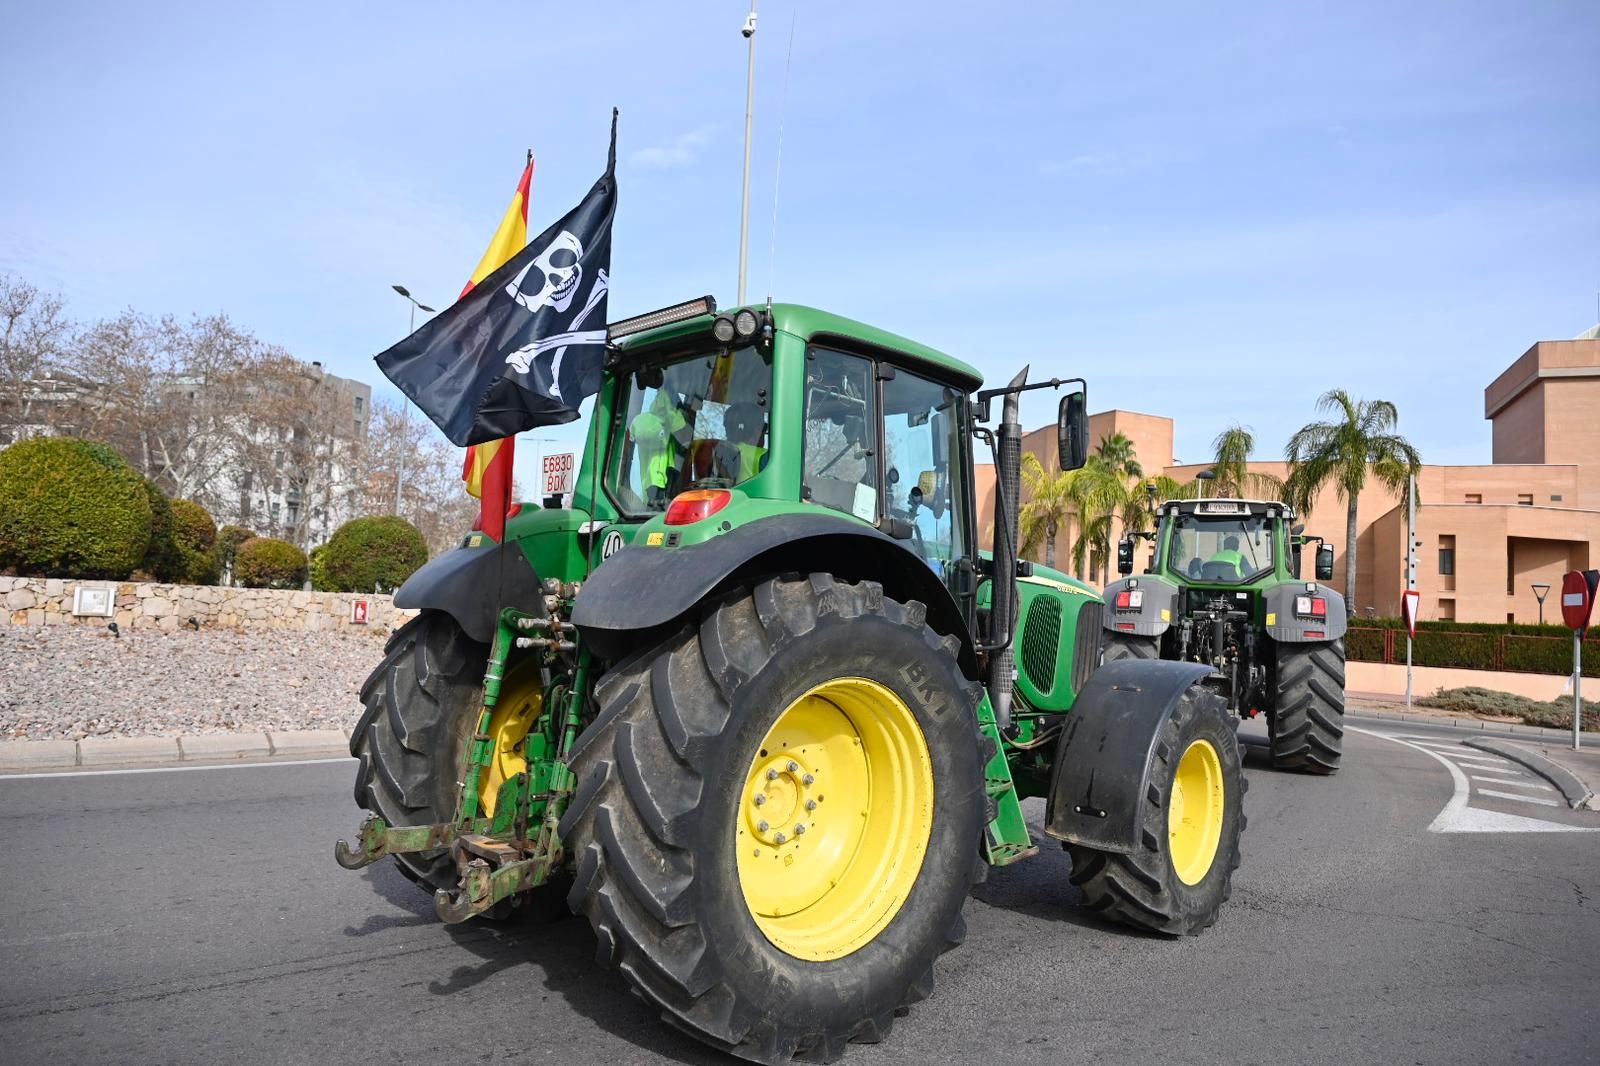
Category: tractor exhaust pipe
[1002,605]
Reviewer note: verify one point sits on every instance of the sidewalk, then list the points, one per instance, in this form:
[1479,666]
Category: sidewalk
[109,753]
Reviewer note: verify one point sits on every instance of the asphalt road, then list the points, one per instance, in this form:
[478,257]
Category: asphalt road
[198,917]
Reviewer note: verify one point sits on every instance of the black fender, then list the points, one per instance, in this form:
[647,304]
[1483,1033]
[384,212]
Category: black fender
[641,594]
[472,585]
[1102,766]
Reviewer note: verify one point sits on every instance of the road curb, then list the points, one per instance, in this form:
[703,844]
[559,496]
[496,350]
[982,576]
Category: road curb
[1577,794]
[1476,725]
[45,756]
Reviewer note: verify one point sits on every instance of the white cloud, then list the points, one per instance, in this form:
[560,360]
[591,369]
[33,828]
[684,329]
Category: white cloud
[680,153]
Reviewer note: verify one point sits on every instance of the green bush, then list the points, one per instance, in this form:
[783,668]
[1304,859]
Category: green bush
[1556,714]
[71,508]
[370,554]
[1516,647]
[228,540]
[268,563]
[161,559]
[194,537]
[319,568]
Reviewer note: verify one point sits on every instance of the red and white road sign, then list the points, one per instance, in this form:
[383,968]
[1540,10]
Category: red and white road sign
[558,473]
[1577,598]
[358,612]
[1410,600]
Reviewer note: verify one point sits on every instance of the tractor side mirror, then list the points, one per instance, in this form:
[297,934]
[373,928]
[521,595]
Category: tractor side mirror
[1072,430]
[1125,556]
[1324,562]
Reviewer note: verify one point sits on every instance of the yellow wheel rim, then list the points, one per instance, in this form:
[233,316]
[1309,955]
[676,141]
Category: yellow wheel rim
[521,700]
[1194,815]
[834,819]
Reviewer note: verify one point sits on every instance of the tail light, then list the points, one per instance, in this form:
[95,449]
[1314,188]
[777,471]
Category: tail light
[1130,599]
[1311,606]
[690,507]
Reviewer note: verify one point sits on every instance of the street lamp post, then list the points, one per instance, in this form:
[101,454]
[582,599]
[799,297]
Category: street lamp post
[405,421]
[1541,589]
[1205,477]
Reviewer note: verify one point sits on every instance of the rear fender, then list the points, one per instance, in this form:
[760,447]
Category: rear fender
[643,593]
[1286,627]
[1103,761]
[1158,606]
[472,585]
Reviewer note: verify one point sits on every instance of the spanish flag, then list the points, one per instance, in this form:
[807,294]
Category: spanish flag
[487,470]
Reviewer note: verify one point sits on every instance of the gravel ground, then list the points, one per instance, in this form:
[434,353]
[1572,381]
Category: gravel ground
[71,682]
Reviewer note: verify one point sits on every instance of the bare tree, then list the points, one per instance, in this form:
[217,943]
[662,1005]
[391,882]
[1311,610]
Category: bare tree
[33,334]
[404,450]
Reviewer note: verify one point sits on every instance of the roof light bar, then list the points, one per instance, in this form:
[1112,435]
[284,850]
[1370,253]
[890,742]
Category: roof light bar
[666,316]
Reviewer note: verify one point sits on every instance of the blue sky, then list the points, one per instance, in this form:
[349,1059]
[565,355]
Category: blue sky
[1213,212]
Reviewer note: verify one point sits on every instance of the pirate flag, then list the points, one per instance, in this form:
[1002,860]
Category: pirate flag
[524,347]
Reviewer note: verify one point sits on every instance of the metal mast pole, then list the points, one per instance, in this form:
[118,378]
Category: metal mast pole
[1411,568]
[749,32]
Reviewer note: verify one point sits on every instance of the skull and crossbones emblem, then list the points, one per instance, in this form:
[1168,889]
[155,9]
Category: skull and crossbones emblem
[560,270]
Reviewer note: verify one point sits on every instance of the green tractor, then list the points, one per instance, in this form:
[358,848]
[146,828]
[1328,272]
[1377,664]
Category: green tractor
[1225,591]
[761,708]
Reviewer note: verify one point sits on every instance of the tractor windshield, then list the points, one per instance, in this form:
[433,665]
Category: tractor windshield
[1227,550]
[696,422]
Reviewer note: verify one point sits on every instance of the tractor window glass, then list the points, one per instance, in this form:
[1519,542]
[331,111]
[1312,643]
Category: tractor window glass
[699,422]
[840,469]
[920,439]
[1226,550]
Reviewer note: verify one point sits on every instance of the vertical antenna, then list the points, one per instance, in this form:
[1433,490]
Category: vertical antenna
[777,173]
[749,31]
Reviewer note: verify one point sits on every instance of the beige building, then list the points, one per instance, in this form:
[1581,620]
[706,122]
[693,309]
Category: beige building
[1488,533]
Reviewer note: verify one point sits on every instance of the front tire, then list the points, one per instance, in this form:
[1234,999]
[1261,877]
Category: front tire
[1307,723]
[1181,874]
[727,924]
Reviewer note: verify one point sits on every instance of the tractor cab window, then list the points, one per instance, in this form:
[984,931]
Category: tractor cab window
[694,423]
[1213,548]
[921,434]
[840,469]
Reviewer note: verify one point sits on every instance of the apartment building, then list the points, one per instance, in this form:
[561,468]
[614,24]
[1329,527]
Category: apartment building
[1490,534]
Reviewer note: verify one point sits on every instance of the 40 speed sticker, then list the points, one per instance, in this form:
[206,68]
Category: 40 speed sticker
[612,544]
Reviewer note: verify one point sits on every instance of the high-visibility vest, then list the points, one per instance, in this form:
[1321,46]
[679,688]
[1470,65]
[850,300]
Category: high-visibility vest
[657,445]
[751,459]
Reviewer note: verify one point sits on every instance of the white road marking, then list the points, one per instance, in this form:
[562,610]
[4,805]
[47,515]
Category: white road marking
[175,769]
[1520,799]
[1457,817]
[1518,782]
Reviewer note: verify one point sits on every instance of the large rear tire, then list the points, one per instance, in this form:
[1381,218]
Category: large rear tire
[1117,646]
[421,706]
[1307,722]
[1179,877]
[757,937]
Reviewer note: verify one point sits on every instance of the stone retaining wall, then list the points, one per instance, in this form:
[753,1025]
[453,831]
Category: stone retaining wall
[38,601]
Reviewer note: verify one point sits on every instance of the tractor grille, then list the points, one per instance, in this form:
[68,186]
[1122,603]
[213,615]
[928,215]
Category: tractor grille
[1086,645]
[1040,635]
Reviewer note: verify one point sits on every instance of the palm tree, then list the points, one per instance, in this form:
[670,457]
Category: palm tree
[1117,452]
[1361,436]
[1234,477]
[1051,505]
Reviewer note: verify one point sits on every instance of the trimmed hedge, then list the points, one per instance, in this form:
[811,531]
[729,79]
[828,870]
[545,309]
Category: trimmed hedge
[1515,647]
[370,555]
[228,540]
[71,508]
[268,563]
[194,537]
[161,559]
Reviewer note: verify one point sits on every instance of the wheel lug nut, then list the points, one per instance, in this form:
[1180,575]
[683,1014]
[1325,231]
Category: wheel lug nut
[772,775]
[761,826]
[811,805]
[793,766]
[806,780]
[780,838]
[760,800]
[799,828]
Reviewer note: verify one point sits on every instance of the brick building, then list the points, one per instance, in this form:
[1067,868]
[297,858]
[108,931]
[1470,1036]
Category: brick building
[1489,533]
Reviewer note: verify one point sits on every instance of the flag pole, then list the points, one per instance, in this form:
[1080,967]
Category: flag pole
[749,32]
